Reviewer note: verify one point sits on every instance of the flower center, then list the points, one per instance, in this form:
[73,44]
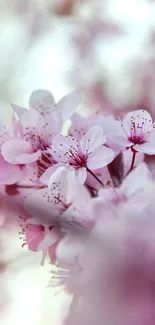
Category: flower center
[139,129]
[37,141]
[137,139]
[78,161]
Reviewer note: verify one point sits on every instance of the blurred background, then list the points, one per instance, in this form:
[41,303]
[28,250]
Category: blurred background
[106,48]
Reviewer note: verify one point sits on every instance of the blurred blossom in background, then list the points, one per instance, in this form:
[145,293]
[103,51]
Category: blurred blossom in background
[106,48]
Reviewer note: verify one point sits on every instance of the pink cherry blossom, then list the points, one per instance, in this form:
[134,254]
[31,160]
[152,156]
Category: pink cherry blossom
[85,155]
[86,202]
[39,238]
[30,144]
[33,133]
[136,132]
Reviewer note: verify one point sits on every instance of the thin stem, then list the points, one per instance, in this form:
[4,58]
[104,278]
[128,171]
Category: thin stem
[133,161]
[90,172]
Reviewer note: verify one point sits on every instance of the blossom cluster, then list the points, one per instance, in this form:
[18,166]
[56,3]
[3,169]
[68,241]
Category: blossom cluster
[85,199]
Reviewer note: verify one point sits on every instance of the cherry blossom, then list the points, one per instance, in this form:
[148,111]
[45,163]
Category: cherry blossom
[86,203]
[39,238]
[85,155]
[33,134]
[136,132]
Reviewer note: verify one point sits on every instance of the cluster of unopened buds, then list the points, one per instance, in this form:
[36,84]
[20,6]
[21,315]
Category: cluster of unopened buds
[86,200]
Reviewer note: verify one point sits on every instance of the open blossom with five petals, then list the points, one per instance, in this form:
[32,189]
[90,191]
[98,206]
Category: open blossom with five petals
[85,155]
[29,145]
[136,132]
[36,129]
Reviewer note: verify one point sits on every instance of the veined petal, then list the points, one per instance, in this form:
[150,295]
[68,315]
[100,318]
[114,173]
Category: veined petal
[49,172]
[63,147]
[121,141]
[136,180]
[149,146]
[145,148]
[92,139]
[100,157]
[67,105]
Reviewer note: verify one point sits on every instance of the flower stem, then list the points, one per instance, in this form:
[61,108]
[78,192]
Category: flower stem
[133,160]
[90,172]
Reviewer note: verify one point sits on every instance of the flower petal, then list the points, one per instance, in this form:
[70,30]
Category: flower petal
[79,193]
[18,110]
[100,157]
[67,105]
[34,235]
[81,175]
[42,210]
[62,146]
[149,146]
[120,140]
[136,180]
[32,118]
[92,139]
[42,101]
[50,238]
[137,117]
[59,177]
[49,172]
[11,150]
